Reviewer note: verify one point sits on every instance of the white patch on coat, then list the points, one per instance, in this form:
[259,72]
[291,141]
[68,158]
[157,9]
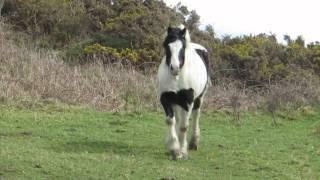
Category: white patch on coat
[175,48]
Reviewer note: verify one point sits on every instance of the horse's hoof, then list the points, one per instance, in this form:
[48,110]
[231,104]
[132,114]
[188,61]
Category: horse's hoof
[193,146]
[184,156]
[174,155]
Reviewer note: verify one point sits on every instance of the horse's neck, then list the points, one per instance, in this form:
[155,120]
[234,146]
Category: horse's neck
[197,46]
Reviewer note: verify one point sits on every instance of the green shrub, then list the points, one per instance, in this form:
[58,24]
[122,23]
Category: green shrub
[75,53]
[89,51]
[111,41]
[62,20]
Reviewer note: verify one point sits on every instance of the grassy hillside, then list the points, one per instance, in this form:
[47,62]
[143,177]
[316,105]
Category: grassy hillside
[61,142]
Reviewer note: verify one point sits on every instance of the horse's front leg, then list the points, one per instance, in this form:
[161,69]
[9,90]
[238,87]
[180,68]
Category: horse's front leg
[183,129]
[172,140]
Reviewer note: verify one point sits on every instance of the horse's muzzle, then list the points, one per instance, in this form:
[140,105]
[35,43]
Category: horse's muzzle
[174,70]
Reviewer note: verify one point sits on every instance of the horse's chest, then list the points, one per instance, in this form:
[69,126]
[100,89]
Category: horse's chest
[177,83]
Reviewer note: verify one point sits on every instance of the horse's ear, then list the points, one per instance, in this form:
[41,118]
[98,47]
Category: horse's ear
[183,32]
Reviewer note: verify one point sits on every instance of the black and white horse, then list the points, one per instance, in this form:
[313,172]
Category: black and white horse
[183,79]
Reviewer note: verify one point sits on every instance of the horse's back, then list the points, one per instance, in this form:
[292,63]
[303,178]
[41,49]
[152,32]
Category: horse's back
[203,53]
[196,71]
[198,46]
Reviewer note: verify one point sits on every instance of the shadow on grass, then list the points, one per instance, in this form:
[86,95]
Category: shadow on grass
[119,148]
[94,147]
[16,134]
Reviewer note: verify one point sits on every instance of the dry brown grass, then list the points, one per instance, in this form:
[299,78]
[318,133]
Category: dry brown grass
[27,74]
[232,95]
[299,90]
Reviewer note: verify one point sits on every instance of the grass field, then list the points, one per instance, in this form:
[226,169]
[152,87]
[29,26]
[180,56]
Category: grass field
[60,142]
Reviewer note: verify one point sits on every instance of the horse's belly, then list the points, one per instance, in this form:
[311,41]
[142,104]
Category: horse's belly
[196,82]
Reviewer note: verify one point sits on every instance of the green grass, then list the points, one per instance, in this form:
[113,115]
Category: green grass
[53,142]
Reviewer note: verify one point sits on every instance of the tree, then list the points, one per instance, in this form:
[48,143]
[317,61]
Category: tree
[300,41]
[182,9]
[193,21]
[209,29]
[288,39]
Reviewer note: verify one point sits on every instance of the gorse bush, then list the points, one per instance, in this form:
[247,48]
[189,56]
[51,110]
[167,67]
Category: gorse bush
[61,21]
[134,22]
[125,29]
[261,59]
[88,52]
[111,53]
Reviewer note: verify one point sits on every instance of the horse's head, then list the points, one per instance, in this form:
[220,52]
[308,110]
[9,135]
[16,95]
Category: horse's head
[175,45]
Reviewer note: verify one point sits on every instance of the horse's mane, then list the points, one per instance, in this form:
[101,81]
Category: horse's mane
[174,33]
[187,34]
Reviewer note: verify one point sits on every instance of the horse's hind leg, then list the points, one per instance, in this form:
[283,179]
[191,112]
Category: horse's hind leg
[195,136]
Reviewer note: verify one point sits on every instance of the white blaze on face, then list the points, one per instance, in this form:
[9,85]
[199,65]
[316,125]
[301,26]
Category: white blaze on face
[175,48]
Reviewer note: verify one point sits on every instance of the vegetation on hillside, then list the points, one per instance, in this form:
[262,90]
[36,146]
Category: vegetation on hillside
[108,29]
[87,34]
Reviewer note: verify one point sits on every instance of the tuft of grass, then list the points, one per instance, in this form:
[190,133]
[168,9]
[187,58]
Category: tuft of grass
[316,130]
[62,142]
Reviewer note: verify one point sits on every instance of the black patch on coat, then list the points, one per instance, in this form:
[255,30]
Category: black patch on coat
[182,56]
[175,34]
[197,101]
[205,58]
[166,100]
[184,98]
